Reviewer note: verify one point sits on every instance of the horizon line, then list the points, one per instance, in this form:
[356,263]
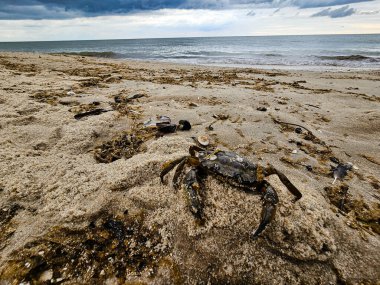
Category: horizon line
[193,37]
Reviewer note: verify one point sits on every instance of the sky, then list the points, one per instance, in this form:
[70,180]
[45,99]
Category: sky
[40,20]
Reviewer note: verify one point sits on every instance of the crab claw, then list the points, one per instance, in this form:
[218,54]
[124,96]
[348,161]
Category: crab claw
[270,200]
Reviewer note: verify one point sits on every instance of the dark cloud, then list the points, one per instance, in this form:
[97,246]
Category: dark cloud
[61,9]
[336,13]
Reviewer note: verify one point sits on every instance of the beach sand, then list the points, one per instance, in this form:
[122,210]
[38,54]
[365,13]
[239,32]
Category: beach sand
[67,218]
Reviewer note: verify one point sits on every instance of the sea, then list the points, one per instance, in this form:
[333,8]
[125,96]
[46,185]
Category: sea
[314,52]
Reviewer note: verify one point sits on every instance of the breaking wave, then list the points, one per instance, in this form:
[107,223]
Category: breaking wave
[103,54]
[354,57]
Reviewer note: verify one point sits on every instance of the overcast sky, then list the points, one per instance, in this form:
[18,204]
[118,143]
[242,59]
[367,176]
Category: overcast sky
[28,20]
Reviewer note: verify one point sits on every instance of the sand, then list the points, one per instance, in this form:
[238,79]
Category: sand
[67,218]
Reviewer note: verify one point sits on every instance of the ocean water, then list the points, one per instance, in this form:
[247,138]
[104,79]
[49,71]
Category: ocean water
[298,52]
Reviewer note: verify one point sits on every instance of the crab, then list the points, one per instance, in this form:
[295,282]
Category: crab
[233,169]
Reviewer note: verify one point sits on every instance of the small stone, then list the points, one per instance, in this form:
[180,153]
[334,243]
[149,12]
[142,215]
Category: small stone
[262,109]
[71,93]
[295,151]
[298,130]
[309,168]
[46,275]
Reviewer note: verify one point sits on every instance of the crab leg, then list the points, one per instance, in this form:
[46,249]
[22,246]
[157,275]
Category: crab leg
[169,165]
[193,149]
[289,185]
[177,173]
[193,186]
[270,200]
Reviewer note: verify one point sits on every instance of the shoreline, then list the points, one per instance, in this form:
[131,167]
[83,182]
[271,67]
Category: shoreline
[56,196]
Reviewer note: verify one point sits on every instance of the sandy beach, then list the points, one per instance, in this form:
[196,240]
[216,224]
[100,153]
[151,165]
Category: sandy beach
[77,207]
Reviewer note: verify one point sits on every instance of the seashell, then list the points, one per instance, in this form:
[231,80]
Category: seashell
[203,140]
[164,119]
[212,157]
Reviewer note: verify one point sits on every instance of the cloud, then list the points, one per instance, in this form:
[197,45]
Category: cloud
[66,9]
[344,11]
[369,12]
[322,3]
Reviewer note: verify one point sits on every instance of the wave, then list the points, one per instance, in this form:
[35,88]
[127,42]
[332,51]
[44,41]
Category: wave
[354,57]
[103,54]
[273,55]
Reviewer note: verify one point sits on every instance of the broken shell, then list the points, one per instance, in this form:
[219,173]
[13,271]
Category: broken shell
[203,140]
[212,157]
[164,119]
[294,151]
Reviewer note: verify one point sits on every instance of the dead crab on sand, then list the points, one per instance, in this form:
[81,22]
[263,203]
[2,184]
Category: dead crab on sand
[231,168]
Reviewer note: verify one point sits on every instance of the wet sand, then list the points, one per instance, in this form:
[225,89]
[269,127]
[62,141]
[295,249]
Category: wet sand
[67,218]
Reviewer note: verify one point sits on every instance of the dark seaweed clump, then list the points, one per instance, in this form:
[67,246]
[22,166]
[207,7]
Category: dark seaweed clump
[109,247]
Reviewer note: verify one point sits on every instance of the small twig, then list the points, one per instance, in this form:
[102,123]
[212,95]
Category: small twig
[370,159]
[349,155]
[313,106]
[280,122]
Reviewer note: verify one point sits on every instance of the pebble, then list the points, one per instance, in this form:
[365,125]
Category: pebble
[46,275]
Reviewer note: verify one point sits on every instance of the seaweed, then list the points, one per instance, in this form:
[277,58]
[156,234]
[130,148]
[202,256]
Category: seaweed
[126,144]
[361,214]
[48,96]
[7,213]
[114,247]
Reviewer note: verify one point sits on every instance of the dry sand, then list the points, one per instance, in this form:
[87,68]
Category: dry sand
[66,218]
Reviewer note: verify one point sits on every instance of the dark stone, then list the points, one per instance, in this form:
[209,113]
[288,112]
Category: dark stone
[262,109]
[298,130]
[184,125]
